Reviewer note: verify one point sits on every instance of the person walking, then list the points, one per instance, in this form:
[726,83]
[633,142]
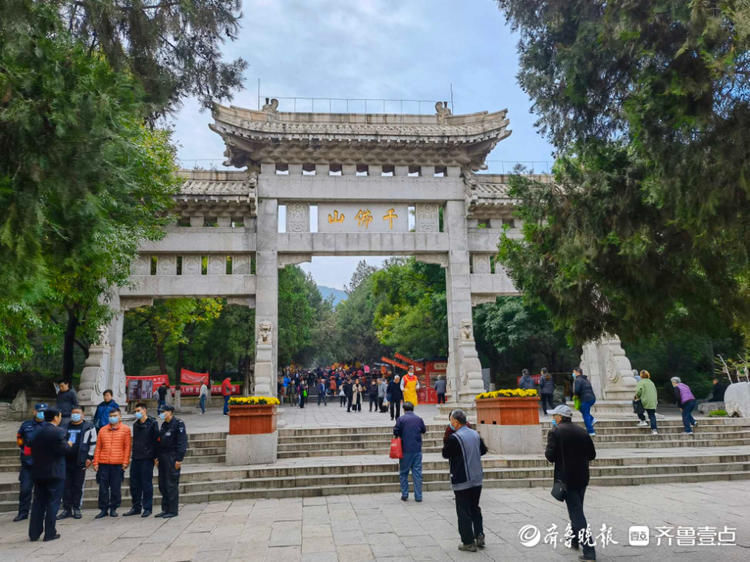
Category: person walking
[322,391]
[440,387]
[585,393]
[48,471]
[571,449]
[382,391]
[645,394]
[546,390]
[395,396]
[145,442]
[410,428]
[171,451]
[203,396]
[302,393]
[226,392]
[66,400]
[686,401]
[464,449]
[372,395]
[81,434]
[24,437]
[161,397]
[111,458]
[101,416]
[342,396]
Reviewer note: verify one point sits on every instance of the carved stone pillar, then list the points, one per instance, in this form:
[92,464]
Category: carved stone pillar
[266,299]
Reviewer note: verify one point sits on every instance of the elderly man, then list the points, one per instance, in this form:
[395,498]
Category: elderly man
[464,449]
[410,428]
[570,447]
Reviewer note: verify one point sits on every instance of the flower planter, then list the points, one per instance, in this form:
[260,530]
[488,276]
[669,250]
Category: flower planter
[252,419]
[508,411]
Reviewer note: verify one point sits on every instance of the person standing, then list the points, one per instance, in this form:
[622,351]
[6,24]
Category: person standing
[440,387]
[348,388]
[342,396]
[145,442]
[101,416]
[464,449]
[203,396]
[410,428]
[409,386]
[645,393]
[686,401]
[226,392]
[48,471]
[585,393]
[161,397]
[372,395]
[382,389]
[302,392]
[111,458]
[171,451]
[395,397]
[81,434]
[66,400]
[571,449]
[546,390]
[24,437]
[526,382]
[322,391]
[357,392]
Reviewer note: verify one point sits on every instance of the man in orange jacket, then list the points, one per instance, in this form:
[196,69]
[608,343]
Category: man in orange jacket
[226,391]
[111,458]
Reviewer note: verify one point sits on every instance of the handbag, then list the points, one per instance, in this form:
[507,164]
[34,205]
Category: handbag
[559,488]
[397,451]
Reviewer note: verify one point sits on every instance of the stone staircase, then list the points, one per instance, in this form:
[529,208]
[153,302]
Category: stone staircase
[330,461]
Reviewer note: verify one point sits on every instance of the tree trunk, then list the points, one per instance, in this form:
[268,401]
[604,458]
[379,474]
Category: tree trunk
[162,358]
[69,342]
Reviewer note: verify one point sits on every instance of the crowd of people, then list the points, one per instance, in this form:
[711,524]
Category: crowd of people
[383,392]
[59,445]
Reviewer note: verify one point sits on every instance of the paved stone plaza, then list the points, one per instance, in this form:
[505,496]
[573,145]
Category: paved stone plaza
[381,527]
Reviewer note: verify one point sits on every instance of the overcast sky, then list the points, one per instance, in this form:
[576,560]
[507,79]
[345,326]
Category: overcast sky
[407,49]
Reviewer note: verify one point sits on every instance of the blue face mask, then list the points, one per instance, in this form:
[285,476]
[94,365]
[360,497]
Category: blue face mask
[114,419]
[40,416]
[75,417]
[138,415]
[162,416]
[554,423]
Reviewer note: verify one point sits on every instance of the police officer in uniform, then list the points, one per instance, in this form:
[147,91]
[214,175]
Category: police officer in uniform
[24,437]
[171,450]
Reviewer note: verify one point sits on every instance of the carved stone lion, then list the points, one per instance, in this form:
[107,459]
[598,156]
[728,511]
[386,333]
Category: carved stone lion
[265,330]
[467,332]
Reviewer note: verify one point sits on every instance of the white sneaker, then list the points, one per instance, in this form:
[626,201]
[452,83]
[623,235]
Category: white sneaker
[593,421]
[654,432]
[642,424]
[592,434]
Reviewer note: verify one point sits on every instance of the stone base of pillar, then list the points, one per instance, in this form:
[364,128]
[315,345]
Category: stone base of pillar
[259,448]
[616,408]
[469,408]
[512,439]
[263,378]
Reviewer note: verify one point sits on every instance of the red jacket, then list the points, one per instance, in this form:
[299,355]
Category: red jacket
[226,387]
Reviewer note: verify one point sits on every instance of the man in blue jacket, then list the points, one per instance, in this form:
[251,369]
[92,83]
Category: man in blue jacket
[24,437]
[101,416]
[464,449]
[48,470]
[410,428]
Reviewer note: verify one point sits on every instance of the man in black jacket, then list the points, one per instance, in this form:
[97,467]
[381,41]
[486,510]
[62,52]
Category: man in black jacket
[145,442]
[396,396]
[570,447]
[48,471]
[171,451]
[81,434]
[66,400]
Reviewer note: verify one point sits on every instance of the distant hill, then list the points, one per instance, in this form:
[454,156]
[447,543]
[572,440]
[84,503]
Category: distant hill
[337,294]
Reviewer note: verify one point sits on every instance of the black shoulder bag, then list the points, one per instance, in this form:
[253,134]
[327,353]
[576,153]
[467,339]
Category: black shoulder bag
[559,488]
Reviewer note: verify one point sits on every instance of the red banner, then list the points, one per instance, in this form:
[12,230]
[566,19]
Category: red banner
[190,377]
[194,389]
[158,380]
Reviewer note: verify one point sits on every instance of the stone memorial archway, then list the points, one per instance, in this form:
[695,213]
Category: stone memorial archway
[364,173]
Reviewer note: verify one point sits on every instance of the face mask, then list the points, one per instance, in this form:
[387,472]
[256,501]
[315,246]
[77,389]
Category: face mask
[75,417]
[554,423]
[162,416]
[114,419]
[138,415]
[40,416]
